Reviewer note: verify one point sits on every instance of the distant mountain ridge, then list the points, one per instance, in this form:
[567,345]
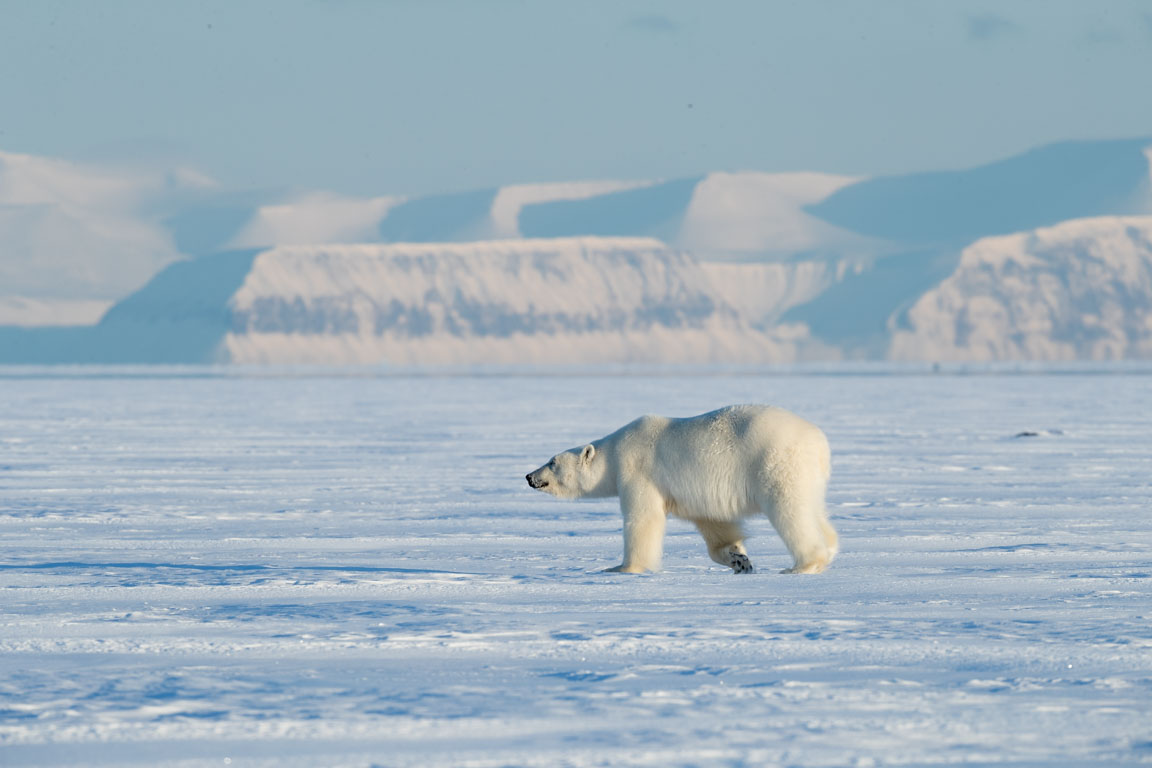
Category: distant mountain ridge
[734,267]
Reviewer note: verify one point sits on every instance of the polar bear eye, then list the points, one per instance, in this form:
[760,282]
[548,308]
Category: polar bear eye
[552,464]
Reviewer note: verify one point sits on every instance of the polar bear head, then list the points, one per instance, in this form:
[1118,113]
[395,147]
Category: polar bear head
[572,474]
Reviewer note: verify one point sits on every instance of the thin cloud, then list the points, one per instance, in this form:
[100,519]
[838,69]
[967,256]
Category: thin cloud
[986,27]
[653,23]
[1102,35]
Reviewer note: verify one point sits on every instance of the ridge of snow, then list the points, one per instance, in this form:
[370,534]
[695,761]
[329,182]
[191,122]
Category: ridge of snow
[510,200]
[313,219]
[762,212]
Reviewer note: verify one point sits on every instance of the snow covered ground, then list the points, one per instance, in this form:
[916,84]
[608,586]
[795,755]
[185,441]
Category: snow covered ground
[206,567]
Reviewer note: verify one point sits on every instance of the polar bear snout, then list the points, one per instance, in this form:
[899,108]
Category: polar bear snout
[534,482]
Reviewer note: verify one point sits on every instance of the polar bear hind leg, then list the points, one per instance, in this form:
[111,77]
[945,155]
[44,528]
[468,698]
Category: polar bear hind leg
[804,538]
[799,517]
[725,542]
[792,483]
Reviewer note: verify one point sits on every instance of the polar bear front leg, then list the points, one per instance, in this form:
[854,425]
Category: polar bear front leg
[725,542]
[644,520]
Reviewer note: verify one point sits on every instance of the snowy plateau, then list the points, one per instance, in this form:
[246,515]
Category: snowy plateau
[1046,256]
[207,566]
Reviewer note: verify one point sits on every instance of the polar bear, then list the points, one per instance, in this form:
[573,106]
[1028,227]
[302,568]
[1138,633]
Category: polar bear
[714,469]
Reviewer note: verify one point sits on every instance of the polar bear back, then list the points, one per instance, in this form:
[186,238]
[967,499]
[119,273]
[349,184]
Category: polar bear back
[728,463]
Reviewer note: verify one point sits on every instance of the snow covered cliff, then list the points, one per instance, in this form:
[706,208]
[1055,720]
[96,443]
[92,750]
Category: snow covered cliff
[524,301]
[1079,290]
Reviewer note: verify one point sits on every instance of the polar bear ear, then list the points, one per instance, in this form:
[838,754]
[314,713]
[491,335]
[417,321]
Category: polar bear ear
[587,454]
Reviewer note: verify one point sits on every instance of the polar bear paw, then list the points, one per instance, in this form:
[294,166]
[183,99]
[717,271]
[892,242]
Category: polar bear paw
[815,566]
[623,569]
[740,562]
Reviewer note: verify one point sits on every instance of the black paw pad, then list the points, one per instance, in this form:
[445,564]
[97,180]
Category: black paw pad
[740,563]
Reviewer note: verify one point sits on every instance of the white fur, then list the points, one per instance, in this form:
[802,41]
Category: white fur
[714,469]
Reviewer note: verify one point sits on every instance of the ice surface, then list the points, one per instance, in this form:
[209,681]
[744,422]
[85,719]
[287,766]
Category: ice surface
[289,569]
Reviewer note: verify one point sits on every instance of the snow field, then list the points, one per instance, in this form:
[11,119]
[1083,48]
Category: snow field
[215,567]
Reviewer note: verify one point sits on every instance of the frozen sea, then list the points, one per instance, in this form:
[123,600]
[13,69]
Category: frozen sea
[208,567]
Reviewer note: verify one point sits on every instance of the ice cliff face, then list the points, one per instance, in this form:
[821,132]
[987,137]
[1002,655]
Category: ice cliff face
[526,301]
[1078,290]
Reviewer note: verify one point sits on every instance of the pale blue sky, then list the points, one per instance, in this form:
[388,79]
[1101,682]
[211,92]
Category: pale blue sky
[411,97]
